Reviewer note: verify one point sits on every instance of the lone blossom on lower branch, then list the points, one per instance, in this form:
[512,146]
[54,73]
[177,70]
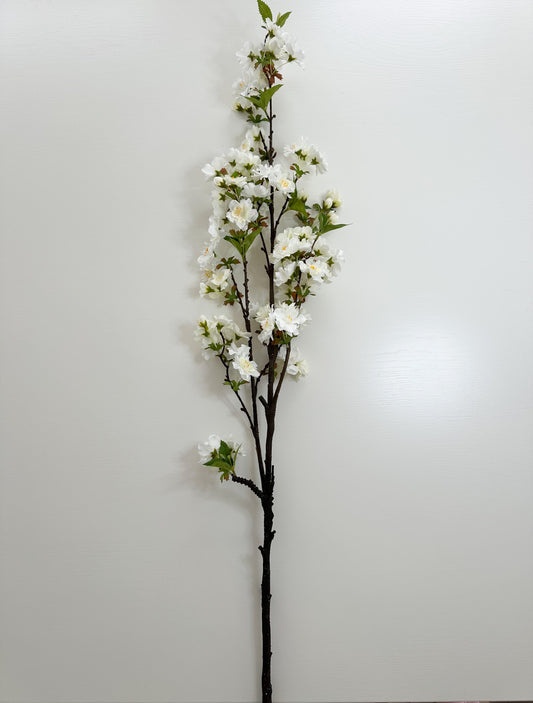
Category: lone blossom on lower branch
[262,213]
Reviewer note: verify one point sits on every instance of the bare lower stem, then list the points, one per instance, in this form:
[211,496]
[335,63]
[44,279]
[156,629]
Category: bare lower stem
[268,536]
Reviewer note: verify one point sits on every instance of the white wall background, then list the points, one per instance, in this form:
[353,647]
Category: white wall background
[403,563]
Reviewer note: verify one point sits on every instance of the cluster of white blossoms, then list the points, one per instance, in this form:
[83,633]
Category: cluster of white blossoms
[277,50]
[303,258]
[237,196]
[215,283]
[292,240]
[221,454]
[302,154]
[243,183]
[242,363]
[281,321]
[218,334]
[281,179]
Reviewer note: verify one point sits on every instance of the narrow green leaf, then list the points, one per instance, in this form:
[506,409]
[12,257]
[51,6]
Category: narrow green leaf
[264,97]
[329,228]
[249,240]
[282,19]
[264,10]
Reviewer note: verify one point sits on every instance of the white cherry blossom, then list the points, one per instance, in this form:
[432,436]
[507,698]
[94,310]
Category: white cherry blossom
[265,317]
[282,181]
[289,318]
[207,257]
[297,366]
[283,273]
[255,190]
[242,363]
[206,449]
[241,213]
[316,267]
[291,240]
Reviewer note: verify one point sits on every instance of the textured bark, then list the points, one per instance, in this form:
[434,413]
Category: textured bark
[266,596]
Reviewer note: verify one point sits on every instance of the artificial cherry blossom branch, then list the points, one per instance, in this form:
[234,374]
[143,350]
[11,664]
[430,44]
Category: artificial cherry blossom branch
[244,180]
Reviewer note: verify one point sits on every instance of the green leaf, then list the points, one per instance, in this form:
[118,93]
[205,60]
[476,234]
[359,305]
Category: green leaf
[220,464]
[264,10]
[329,228]
[237,243]
[249,240]
[264,97]
[282,19]
[254,99]
[298,205]
[286,339]
[225,451]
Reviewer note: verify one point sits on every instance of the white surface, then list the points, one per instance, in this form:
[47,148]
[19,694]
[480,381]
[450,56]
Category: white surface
[403,562]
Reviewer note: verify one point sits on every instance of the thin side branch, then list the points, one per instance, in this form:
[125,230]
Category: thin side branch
[238,395]
[282,374]
[263,371]
[263,140]
[264,248]
[281,213]
[246,309]
[248,482]
[239,294]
